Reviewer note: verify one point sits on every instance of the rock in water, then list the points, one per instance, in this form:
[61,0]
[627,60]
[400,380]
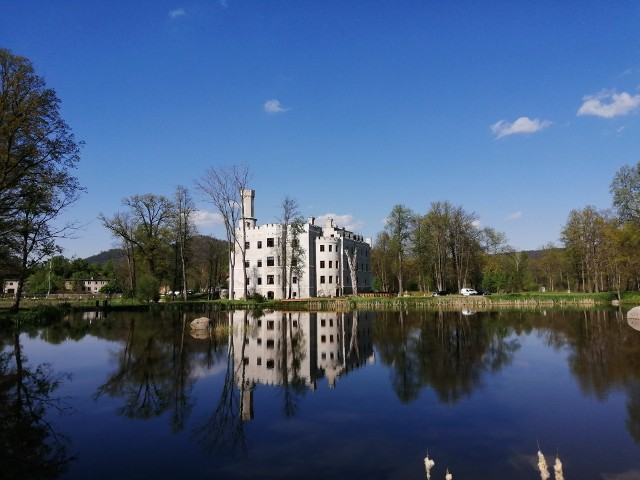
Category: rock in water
[202,323]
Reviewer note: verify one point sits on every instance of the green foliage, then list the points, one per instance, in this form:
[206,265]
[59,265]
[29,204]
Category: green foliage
[257,297]
[114,286]
[40,281]
[148,289]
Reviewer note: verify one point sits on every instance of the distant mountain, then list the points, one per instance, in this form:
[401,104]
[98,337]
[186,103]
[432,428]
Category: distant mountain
[105,256]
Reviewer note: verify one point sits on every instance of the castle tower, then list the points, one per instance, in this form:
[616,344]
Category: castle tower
[247,208]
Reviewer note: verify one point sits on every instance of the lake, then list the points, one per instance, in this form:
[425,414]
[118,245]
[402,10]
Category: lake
[322,395]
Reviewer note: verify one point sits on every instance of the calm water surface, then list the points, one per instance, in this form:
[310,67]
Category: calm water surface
[322,395]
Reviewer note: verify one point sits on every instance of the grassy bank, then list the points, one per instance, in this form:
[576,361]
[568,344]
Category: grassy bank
[32,309]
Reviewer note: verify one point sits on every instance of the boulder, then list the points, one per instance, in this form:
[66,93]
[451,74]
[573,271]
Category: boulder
[634,313]
[633,318]
[202,323]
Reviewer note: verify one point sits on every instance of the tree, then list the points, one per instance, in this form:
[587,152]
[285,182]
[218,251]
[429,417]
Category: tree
[144,230]
[399,227]
[352,262]
[224,187]
[584,238]
[122,226]
[290,248]
[211,268]
[184,230]
[297,254]
[625,189]
[381,262]
[37,154]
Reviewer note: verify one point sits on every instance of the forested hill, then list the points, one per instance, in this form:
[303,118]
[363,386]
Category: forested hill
[105,256]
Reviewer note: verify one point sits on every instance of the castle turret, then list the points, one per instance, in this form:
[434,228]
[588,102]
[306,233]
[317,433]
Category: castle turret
[247,208]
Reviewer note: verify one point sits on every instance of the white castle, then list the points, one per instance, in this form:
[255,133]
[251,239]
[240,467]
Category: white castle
[320,268]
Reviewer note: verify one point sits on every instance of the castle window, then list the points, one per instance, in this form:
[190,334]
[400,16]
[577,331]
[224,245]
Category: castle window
[259,280]
[259,243]
[270,279]
[246,245]
[330,264]
[322,248]
[270,261]
[321,263]
[330,278]
[270,242]
[322,279]
[330,247]
[259,263]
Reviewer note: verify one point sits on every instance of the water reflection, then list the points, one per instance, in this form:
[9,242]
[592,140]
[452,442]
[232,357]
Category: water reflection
[296,350]
[220,390]
[30,444]
[447,351]
[152,372]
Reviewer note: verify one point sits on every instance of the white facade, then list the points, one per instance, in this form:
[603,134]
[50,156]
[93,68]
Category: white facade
[324,271]
[10,287]
[90,285]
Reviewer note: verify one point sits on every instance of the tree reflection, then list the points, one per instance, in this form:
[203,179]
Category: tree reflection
[152,374]
[292,355]
[223,430]
[444,350]
[29,445]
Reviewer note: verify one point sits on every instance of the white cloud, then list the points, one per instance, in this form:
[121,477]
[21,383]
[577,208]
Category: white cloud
[273,106]
[204,218]
[514,216]
[521,125]
[342,221]
[609,104]
[476,223]
[178,12]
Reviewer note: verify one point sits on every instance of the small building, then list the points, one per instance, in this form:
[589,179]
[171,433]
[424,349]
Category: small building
[90,285]
[10,287]
[322,269]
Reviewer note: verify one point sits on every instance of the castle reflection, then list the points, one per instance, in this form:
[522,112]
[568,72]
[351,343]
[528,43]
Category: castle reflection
[298,349]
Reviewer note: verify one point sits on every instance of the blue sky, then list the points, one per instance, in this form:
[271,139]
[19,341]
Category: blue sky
[517,111]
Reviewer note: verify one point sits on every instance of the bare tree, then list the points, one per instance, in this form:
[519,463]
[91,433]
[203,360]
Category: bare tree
[352,261]
[184,229]
[122,226]
[297,254]
[144,229]
[223,187]
[290,254]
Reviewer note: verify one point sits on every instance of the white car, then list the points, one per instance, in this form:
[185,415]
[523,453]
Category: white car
[468,291]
